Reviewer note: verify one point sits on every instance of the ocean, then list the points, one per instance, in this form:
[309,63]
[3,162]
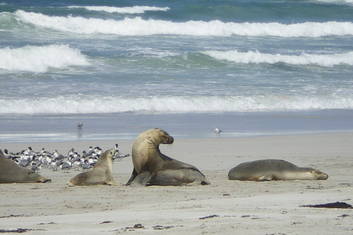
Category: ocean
[248,67]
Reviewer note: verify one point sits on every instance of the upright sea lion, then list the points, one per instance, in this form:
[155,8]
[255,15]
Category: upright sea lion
[10,172]
[151,167]
[272,169]
[100,174]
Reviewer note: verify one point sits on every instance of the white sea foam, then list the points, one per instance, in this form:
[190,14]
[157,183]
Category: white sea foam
[123,10]
[79,105]
[138,26]
[40,58]
[302,59]
[349,2]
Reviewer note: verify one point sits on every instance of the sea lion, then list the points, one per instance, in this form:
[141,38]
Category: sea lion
[273,169]
[2,155]
[100,174]
[151,167]
[10,172]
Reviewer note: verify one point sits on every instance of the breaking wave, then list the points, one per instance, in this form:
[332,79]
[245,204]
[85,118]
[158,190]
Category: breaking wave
[256,57]
[138,26]
[123,10]
[183,104]
[348,2]
[40,58]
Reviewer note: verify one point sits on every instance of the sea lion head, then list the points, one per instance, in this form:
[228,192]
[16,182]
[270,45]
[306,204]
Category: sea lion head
[319,175]
[165,138]
[157,136]
[34,177]
[110,153]
[107,157]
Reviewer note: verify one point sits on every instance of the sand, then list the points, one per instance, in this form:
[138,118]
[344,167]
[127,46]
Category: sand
[224,207]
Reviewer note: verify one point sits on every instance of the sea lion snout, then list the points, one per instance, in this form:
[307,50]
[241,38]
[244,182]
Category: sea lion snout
[321,175]
[170,140]
[112,152]
[165,137]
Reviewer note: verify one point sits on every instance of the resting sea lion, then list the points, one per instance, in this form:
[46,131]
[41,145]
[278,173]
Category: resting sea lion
[151,167]
[100,174]
[10,172]
[272,169]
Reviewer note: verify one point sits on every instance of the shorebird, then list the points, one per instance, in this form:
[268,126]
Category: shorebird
[80,125]
[55,160]
[217,131]
[117,153]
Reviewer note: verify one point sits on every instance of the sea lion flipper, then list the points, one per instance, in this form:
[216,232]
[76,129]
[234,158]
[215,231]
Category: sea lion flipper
[176,177]
[265,178]
[111,183]
[142,179]
[132,177]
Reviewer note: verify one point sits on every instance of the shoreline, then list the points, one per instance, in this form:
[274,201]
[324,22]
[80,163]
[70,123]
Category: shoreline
[126,126]
[225,206]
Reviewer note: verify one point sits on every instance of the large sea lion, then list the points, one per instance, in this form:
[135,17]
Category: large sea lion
[10,172]
[100,174]
[272,169]
[151,167]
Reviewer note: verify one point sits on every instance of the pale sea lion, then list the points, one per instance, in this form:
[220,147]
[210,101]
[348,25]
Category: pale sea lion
[151,167]
[10,172]
[100,174]
[272,169]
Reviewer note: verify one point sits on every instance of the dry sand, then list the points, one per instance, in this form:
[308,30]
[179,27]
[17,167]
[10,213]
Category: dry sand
[233,207]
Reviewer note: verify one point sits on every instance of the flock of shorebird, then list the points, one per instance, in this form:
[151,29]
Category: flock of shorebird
[56,161]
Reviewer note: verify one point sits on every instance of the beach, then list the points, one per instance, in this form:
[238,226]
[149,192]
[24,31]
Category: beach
[274,76]
[223,207]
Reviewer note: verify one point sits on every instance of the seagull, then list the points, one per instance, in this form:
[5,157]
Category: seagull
[117,154]
[217,131]
[79,125]
[27,151]
[5,153]
[65,165]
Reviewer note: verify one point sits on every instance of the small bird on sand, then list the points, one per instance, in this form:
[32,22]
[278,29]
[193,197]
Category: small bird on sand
[80,125]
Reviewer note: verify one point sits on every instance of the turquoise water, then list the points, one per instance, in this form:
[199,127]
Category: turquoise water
[186,66]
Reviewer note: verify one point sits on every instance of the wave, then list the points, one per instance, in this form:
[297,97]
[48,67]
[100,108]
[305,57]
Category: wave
[256,57]
[123,10]
[40,58]
[7,20]
[139,27]
[184,104]
[348,2]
